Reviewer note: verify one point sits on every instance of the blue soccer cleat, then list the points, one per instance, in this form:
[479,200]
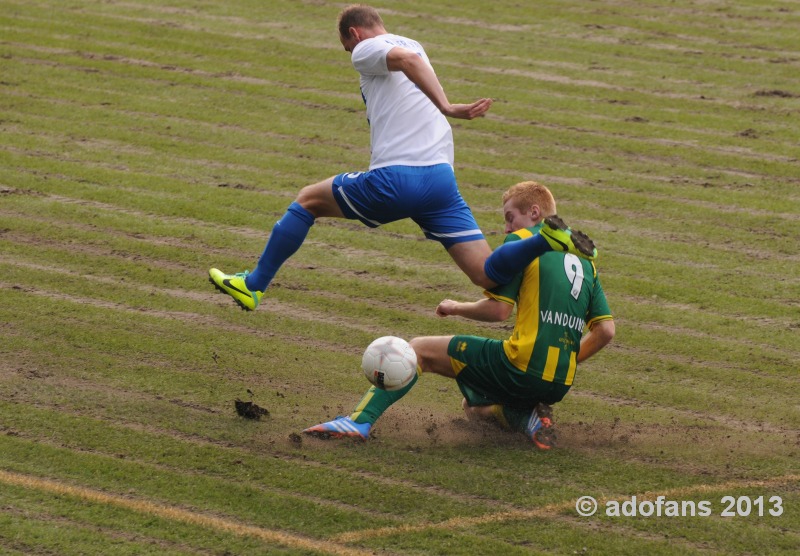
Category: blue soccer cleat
[540,427]
[341,427]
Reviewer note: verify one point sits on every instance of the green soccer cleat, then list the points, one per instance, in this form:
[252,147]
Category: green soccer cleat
[540,427]
[561,238]
[234,285]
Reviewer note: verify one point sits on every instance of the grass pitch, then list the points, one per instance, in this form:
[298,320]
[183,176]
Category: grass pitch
[143,142]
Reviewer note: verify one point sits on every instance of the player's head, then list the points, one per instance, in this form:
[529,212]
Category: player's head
[355,19]
[526,204]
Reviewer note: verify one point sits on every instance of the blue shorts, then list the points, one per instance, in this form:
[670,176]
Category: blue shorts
[428,195]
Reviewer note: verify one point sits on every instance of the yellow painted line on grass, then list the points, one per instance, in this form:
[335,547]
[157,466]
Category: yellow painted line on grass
[334,545]
[177,514]
[551,510]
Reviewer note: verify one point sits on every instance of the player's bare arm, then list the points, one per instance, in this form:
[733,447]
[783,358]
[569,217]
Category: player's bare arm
[599,336]
[423,76]
[484,310]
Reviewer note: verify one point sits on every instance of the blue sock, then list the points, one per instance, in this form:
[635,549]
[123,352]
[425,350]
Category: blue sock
[511,258]
[287,236]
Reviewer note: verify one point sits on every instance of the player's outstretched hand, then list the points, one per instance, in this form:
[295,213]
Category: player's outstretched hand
[477,109]
[446,308]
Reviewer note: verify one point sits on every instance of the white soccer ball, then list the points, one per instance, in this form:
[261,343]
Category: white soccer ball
[389,363]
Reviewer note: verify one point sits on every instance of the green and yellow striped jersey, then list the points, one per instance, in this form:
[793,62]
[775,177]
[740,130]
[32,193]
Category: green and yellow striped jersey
[557,296]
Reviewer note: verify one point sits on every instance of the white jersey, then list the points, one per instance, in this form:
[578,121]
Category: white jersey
[406,128]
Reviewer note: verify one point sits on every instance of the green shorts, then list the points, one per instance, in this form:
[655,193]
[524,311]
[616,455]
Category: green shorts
[485,376]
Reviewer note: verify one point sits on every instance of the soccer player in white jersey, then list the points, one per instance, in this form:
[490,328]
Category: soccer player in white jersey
[410,173]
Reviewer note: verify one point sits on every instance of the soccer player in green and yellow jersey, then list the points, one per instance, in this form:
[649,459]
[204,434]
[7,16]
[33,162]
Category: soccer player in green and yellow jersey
[514,381]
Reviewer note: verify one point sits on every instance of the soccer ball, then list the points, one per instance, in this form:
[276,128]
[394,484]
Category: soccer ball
[389,363]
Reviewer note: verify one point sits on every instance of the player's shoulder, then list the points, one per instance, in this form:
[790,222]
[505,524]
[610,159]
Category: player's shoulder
[382,44]
[389,41]
[399,40]
[522,233]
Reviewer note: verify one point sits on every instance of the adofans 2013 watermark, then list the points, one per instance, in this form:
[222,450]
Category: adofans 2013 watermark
[661,506]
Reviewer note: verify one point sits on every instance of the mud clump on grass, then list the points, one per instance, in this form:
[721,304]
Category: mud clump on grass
[250,410]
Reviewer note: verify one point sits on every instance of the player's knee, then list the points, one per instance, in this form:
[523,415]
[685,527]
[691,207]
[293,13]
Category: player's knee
[427,355]
[479,278]
[477,412]
[477,275]
[318,199]
[470,256]
[432,355]
[308,198]
[469,412]
[475,271]
[419,348]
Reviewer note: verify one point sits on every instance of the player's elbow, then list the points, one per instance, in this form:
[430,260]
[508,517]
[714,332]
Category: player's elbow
[605,330]
[500,311]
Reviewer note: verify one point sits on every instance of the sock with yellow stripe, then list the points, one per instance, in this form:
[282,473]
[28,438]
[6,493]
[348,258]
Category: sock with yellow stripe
[376,401]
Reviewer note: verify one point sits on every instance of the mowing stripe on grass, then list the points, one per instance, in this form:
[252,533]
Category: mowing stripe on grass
[176,514]
[551,510]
